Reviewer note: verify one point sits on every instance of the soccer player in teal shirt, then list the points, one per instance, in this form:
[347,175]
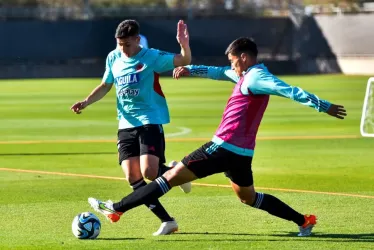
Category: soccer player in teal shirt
[141,108]
[232,147]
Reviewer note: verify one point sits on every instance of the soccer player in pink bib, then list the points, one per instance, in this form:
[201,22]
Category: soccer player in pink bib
[232,147]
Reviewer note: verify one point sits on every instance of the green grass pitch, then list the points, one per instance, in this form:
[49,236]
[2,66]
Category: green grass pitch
[298,149]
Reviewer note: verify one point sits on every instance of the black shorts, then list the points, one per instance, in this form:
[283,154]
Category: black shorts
[210,159]
[147,139]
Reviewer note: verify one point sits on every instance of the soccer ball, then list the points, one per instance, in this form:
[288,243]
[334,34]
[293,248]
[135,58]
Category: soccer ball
[86,226]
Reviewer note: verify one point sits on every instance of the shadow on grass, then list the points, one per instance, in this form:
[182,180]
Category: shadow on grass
[281,236]
[286,236]
[362,237]
[124,239]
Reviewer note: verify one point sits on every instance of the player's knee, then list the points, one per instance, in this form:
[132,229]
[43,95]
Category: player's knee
[149,172]
[179,175]
[172,173]
[169,174]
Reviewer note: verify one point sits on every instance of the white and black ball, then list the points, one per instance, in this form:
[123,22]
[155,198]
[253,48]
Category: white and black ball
[86,226]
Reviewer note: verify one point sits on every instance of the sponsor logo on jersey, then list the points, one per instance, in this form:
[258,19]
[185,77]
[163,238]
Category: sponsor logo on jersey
[128,79]
[129,92]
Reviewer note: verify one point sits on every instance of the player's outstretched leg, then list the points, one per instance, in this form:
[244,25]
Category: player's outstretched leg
[278,208]
[106,208]
[275,207]
[186,187]
[146,194]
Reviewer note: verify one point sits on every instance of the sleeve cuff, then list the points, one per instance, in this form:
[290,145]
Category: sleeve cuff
[324,106]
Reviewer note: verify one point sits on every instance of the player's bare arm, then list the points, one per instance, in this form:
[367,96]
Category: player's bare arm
[98,93]
[183,38]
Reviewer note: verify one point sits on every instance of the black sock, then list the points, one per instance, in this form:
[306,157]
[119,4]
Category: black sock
[155,205]
[162,169]
[143,195]
[276,207]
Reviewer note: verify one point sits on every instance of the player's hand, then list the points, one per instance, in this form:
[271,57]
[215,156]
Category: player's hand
[337,111]
[78,107]
[183,37]
[180,71]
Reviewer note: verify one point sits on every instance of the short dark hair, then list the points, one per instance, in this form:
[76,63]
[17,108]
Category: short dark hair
[242,45]
[127,29]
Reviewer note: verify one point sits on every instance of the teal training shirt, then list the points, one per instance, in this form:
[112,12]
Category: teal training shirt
[140,99]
